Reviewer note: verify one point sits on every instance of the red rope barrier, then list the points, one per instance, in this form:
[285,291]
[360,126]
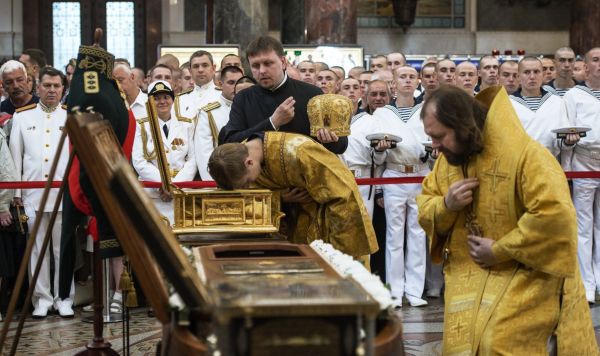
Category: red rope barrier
[395,180]
[27,185]
[590,174]
[210,184]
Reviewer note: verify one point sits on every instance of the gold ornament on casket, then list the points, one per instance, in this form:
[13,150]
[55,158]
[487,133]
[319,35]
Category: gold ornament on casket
[212,210]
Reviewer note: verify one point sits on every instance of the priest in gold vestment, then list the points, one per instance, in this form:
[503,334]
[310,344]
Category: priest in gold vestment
[281,160]
[498,212]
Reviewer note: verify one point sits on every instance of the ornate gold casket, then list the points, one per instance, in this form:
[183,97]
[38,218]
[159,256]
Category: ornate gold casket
[213,211]
[210,211]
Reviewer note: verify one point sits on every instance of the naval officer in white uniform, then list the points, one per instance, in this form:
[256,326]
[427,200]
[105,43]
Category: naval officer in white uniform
[177,139]
[212,118]
[34,138]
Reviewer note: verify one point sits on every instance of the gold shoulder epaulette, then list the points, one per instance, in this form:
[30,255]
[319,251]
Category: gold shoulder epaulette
[211,106]
[184,119]
[26,107]
[185,92]
[142,120]
[64,106]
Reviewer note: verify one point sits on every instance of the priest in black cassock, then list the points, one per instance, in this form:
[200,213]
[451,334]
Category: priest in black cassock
[277,103]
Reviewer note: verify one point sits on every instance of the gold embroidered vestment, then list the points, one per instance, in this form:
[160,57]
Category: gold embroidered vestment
[338,215]
[522,203]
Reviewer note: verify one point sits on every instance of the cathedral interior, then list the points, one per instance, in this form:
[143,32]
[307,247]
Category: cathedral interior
[348,32]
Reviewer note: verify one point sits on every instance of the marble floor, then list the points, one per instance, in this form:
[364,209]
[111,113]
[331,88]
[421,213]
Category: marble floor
[57,336]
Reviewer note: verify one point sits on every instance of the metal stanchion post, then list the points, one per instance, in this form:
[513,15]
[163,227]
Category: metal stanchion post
[107,316]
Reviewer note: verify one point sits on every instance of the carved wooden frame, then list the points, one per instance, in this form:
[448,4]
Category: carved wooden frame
[99,152]
[159,239]
[161,157]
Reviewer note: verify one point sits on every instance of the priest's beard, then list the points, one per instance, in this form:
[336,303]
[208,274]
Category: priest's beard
[456,158]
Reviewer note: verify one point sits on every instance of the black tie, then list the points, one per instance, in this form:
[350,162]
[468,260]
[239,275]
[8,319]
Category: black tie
[166,130]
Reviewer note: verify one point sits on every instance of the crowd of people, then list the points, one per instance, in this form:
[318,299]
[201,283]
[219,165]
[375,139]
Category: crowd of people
[200,108]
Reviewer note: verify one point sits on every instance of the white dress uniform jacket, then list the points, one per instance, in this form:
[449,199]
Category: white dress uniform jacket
[179,150]
[138,107]
[551,114]
[358,156]
[212,118]
[33,142]
[7,173]
[408,153]
[188,104]
[583,109]
[405,262]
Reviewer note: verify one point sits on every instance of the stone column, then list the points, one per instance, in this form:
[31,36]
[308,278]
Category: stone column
[330,21]
[292,22]
[585,32]
[240,21]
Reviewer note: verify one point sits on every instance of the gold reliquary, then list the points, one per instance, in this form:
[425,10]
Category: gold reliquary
[237,211]
[249,211]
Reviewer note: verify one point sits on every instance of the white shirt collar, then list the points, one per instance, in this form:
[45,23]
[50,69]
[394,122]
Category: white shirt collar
[285,77]
[225,101]
[47,109]
[140,99]
[162,123]
[207,86]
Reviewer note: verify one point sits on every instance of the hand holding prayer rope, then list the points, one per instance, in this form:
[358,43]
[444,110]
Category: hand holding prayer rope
[480,250]
[460,194]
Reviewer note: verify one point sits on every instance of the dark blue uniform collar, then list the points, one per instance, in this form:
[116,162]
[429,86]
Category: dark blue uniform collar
[518,94]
